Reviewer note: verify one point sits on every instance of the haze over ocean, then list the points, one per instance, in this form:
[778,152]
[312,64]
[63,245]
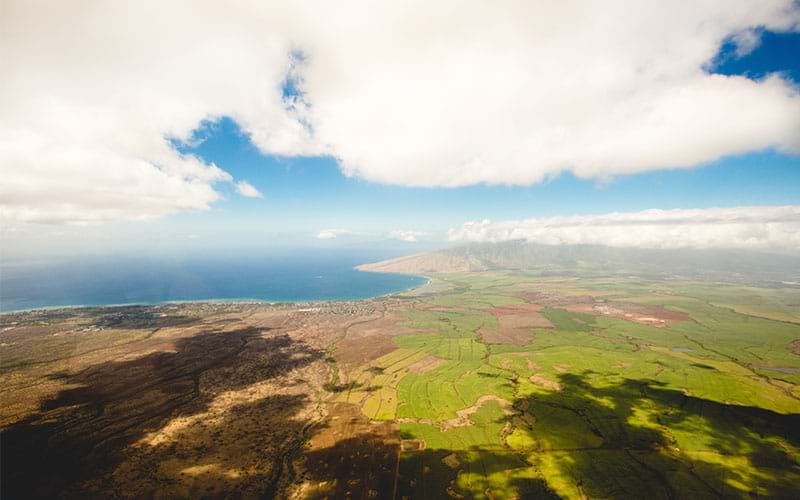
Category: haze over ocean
[299,276]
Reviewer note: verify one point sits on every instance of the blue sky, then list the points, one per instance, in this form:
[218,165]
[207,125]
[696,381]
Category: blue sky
[303,195]
[383,124]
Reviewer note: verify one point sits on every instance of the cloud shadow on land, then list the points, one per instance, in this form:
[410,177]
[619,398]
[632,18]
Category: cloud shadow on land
[83,433]
[640,439]
[425,474]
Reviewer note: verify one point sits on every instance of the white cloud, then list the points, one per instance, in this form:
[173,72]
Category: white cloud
[94,93]
[473,92]
[329,234]
[406,235]
[244,188]
[740,227]
[411,93]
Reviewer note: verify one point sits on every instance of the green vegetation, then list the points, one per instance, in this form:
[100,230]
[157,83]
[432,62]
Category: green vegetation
[699,402]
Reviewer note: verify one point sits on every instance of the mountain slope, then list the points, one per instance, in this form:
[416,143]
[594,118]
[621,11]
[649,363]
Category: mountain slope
[727,264]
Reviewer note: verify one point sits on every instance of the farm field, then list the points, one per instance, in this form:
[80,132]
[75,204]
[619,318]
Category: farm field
[597,387]
[491,384]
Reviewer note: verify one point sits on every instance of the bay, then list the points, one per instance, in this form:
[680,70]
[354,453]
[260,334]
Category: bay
[299,276]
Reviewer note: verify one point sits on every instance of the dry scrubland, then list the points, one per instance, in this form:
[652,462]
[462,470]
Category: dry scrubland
[478,385]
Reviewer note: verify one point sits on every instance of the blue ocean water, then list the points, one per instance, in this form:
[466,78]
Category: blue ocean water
[293,277]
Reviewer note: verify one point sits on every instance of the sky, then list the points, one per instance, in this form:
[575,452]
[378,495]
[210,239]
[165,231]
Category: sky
[195,126]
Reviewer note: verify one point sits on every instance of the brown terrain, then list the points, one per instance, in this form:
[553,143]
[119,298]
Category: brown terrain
[351,456]
[379,328]
[514,324]
[187,400]
[424,263]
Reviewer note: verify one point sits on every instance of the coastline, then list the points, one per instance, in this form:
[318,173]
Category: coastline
[221,301]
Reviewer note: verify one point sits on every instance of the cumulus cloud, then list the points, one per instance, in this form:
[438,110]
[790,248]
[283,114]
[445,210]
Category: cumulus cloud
[96,94]
[406,235]
[740,227]
[515,93]
[449,93]
[244,188]
[329,234]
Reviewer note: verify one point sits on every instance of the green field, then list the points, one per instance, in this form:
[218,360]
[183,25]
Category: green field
[602,405]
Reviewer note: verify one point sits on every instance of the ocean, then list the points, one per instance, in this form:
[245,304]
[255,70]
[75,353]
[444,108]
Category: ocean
[301,276]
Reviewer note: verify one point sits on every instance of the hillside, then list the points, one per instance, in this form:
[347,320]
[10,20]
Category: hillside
[434,262]
[728,265]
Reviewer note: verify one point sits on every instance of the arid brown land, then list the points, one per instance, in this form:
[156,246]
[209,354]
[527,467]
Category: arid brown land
[185,400]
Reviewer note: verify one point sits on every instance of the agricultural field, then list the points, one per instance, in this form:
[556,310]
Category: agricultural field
[525,387]
[492,384]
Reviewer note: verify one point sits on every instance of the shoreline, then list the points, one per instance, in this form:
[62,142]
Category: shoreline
[219,301]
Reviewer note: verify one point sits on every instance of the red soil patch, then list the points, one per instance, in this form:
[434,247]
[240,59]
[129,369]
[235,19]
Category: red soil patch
[638,313]
[525,320]
[518,336]
[514,324]
[359,351]
[586,304]
[371,339]
[388,324]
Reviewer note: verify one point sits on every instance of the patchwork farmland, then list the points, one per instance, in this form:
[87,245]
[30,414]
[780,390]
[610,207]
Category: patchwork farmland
[477,385]
[590,388]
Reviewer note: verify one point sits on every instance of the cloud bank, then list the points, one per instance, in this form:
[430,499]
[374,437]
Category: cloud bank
[776,228]
[451,93]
